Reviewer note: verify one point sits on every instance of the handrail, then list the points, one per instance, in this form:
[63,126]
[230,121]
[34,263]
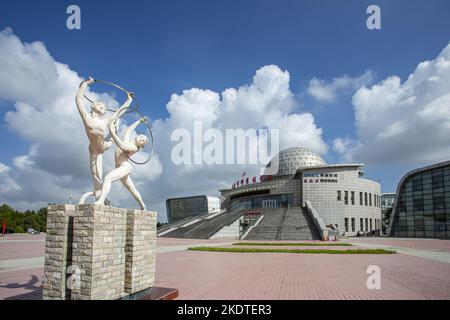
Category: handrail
[324,231]
[223,225]
[247,231]
[282,226]
[183,221]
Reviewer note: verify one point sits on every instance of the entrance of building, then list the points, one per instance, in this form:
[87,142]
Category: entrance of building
[269,204]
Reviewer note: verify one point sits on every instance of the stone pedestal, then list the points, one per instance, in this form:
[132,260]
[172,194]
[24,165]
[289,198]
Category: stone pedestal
[98,252]
[140,251]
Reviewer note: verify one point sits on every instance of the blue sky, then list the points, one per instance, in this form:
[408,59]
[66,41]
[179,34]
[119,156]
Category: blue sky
[162,47]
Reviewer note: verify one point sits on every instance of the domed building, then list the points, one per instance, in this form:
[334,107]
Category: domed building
[288,161]
[299,179]
[298,197]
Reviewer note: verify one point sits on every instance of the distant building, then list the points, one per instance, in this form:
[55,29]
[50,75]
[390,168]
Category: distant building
[186,207]
[422,204]
[387,204]
[339,193]
[298,197]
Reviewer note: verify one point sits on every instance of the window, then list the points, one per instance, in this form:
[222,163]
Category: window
[438,180]
[346,197]
[346,224]
[402,206]
[361,224]
[360,198]
[367,224]
[438,202]
[352,198]
[418,204]
[370,199]
[353,224]
[417,183]
[370,224]
[339,195]
[365,198]
[418,225]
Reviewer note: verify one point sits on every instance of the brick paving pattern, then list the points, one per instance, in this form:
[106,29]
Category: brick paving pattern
[215,275]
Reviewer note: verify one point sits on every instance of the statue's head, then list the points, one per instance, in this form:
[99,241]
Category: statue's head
[98,107]
[141,140]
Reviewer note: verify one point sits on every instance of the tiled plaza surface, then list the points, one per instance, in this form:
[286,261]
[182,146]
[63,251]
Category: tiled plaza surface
[421,271]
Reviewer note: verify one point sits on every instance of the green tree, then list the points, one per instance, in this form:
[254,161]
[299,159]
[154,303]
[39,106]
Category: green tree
[18,222]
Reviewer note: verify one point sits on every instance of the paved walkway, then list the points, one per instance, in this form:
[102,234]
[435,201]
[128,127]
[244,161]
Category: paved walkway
[421,270]
[442,256]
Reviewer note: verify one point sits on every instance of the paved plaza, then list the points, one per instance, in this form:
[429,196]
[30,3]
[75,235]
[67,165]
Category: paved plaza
[420,270]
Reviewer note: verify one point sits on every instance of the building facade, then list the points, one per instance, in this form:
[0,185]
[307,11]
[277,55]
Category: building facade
[387,204]
[339,192]
[422,204]
[186,207]
[343,197]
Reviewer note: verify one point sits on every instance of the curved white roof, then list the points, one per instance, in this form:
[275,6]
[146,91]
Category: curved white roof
[292,159]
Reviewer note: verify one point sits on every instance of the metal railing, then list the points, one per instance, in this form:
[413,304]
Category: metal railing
[325,232]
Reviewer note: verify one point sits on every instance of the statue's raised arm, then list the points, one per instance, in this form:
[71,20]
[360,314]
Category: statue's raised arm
[131,128]
[119,112]
[79,98]
[124,144]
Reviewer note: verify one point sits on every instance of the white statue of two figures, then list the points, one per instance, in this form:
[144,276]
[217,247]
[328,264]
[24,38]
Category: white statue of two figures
[96,126]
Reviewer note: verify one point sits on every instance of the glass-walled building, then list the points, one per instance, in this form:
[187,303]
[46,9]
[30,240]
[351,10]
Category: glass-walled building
[181,208]
[387,204]
[422,205]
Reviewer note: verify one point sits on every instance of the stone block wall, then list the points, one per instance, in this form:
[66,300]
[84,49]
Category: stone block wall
[58,256]
[140,250]
[111,251]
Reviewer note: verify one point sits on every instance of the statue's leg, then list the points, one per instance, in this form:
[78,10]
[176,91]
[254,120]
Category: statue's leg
[98,185]
[94,161]
[114,175]
[128,183]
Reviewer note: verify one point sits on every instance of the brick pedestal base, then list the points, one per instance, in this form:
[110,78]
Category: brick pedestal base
[98,252]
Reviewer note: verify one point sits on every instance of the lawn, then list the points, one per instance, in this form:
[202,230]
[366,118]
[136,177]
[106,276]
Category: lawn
[294,244]
[270,250]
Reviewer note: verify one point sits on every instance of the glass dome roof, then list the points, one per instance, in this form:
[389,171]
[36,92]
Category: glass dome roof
[292,159]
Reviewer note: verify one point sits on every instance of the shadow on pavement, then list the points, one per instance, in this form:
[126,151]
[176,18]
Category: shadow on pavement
[33,286]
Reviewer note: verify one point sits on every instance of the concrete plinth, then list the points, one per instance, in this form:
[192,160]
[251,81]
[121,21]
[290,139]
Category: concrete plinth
[95,252]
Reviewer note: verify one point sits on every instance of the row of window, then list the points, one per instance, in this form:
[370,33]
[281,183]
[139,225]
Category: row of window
[365,224]
[423,206]
[321,175]
[365,198]
[319,180]
[435,181]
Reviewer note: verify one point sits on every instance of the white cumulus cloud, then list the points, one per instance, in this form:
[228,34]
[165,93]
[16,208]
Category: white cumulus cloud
[3,167]
[405,122]
[42,92]
[327,91]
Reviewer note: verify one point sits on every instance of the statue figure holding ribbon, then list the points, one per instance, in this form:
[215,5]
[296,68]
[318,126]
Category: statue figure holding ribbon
[96,127]
[125,148]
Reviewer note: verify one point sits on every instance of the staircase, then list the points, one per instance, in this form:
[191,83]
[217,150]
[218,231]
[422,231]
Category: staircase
[205,227]
[298,226]
[268,227]
[284,224]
